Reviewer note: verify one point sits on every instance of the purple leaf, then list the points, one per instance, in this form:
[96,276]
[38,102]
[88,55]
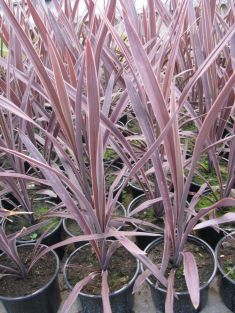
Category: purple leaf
[192,278]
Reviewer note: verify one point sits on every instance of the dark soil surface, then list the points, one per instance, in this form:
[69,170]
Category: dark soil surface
[203,259]
[39,275]
[121,269]
[226,257]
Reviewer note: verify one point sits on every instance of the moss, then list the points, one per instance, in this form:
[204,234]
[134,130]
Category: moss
[210,199]
[209,176]
[207,200]
[230,270]
[110,155]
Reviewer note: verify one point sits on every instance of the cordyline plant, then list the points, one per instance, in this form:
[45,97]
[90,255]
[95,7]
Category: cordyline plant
[9,247]
[79,131]
[20,92]
[153,63]
[157,95]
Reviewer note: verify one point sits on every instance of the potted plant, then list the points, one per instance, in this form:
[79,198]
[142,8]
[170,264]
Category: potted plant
[179,216]
[26,288]
[81,184]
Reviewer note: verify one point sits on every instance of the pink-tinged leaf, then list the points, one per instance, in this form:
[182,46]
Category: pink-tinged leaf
[74,293]
[205,129]
[170,292]
[226,202]
[110,12]
[94,126]
[153,90]
[140,280]
[64,104]
[140,255]
[130,245]
[226,218]
[192,278]
[74,10]
[44,34]
[105,293]
[31,53]
[146,204]
[6,213]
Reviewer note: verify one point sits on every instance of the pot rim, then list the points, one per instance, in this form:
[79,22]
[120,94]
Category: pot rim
[195,239]
[218,263]
[98,296]
[34,294]
[72,235]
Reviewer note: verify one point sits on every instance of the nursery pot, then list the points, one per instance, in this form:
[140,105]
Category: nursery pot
[136,191]
[68,233]
[53,237]
[182,301]
[121,300]
[227,286]
[141,241]
[44,300]
[210,235]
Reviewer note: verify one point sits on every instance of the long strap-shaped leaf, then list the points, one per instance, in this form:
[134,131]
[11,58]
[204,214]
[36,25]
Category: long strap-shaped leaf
[74,293]
[152,87]
[94,131]
[39,67]
[105,293]
[191,278]
[170,292]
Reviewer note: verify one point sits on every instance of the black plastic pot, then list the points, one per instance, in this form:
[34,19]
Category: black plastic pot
[141,241]
[135,190]
[69,234]
[53,237]
[210,235]
[182,302]
[44,300]
[121,300]
[227,286]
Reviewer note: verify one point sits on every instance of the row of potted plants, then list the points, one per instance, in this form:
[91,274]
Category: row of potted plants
[119,125]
